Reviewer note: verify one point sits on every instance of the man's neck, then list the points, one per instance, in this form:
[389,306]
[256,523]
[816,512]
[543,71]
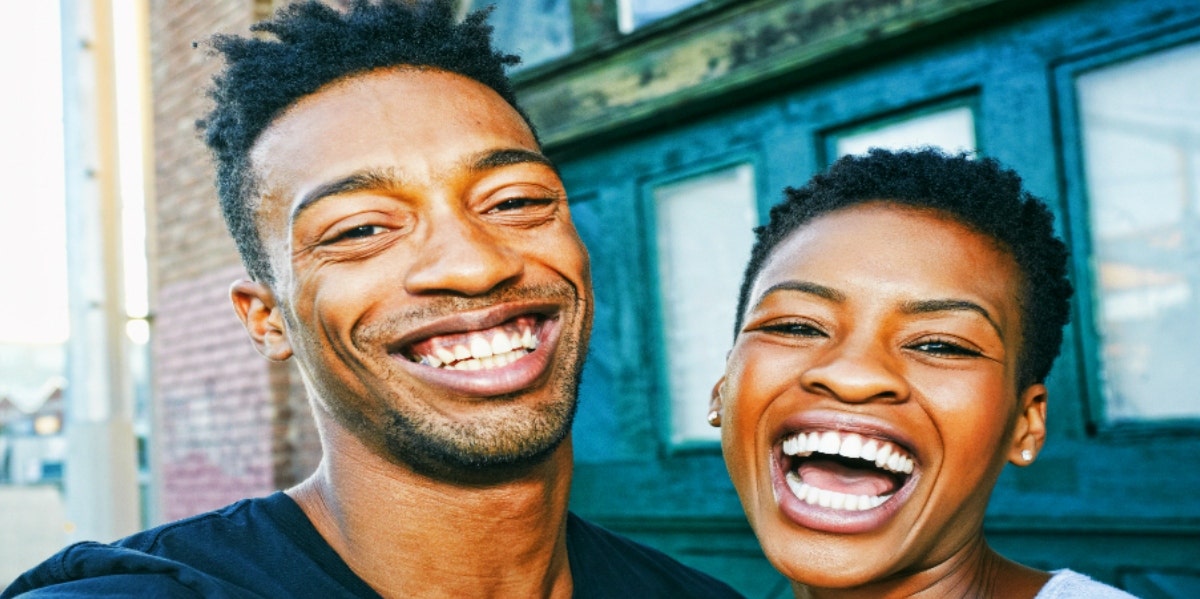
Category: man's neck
[410,535]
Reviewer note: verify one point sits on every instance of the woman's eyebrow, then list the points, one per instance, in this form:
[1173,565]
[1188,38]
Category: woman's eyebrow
[821,291]
[949,305]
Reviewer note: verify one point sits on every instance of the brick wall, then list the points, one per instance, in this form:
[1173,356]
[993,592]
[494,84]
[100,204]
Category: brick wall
[228,423]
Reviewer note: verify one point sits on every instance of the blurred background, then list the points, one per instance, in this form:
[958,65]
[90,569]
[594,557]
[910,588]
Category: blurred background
[129,395]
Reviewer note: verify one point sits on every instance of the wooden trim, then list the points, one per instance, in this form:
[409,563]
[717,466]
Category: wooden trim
[709,58]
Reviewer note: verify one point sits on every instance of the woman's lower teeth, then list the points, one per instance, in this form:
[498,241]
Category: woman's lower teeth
[833,499]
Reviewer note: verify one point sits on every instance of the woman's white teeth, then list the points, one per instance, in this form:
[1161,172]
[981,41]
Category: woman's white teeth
[481,352]
[883,454]
[832,499]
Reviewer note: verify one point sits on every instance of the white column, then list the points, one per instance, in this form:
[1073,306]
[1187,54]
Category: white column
[101,470]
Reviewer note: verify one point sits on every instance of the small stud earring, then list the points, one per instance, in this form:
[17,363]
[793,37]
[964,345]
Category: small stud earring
[1027,455]
[714,419]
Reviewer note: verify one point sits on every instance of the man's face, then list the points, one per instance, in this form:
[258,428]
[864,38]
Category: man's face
[429,279]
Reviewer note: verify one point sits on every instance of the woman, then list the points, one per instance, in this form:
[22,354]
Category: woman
[896,323]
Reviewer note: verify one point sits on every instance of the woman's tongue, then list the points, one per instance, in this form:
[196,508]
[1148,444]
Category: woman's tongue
[834,475]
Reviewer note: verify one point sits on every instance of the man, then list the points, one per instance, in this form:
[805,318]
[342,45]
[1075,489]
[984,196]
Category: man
[411,247]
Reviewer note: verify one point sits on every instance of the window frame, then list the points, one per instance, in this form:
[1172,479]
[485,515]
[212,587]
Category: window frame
[1065,71]
[662,408]
[968,99]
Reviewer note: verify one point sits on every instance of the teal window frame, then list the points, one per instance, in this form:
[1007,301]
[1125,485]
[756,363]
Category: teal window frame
[1065,72]
[663,408]
[968,99]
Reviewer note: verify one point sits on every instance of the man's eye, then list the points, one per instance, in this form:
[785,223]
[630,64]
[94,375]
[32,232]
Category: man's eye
[519,203]
[944,348]
[358,232]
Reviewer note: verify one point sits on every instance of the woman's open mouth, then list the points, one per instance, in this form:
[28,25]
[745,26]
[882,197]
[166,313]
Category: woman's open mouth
[839,480]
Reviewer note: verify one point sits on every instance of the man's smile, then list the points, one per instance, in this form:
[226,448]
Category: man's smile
[504,347]
[487,349]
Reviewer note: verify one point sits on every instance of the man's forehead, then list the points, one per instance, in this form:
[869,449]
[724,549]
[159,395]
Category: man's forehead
[370,110]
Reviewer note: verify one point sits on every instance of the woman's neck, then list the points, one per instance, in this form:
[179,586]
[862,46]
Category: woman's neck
[975,572]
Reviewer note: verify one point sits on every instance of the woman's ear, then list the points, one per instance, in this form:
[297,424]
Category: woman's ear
[1029,432]
[716,404]
[255,305]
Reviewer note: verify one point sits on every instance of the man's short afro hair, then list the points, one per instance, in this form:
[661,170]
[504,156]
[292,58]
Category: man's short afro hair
[315,45]
[978,193]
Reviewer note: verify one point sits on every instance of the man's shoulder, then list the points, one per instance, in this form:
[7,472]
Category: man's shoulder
[91,569]
[605,564]
[235,551]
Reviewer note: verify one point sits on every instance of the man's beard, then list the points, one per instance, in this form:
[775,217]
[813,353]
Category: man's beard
[515,434]
[485,448]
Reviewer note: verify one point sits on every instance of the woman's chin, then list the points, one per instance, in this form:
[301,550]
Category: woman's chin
[821,564]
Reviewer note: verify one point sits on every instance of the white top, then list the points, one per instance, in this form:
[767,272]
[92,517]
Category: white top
[1066,584]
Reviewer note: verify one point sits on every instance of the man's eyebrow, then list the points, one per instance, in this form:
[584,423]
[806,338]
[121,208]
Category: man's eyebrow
[370,178]
[507,157]
[949,305]
[810,288]
[381,178]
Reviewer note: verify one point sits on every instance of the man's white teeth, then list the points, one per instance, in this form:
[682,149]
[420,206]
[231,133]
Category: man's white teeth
[832,499]
[883,454]
[501,344]
[481,353]
[480,348]
[444,356]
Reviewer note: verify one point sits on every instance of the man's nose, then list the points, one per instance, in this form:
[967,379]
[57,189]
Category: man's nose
[856,370]
[462,255]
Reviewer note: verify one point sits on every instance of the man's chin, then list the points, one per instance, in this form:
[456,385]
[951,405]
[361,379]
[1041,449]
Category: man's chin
[481,454]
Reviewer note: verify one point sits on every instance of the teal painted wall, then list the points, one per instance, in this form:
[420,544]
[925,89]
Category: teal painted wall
[1117,503]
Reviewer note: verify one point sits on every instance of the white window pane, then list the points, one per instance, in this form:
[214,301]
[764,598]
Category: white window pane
[535,30]
[952,130]
[704,233]
[1141,138]
[632,14]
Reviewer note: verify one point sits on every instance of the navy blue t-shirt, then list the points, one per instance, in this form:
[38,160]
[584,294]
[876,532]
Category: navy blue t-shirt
[267,547]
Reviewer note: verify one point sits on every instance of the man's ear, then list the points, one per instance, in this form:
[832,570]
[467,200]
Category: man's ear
[1029,433]
[255,305]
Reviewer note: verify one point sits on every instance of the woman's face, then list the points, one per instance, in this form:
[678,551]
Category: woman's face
[870,399]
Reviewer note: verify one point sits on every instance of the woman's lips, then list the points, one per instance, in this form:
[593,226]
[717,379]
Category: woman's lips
[840,481]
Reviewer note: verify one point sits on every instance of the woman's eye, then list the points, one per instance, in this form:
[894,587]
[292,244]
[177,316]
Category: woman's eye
[944,348]
[794,329]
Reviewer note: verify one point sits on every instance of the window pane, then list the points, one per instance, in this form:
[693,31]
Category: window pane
[704,227]
[636,13]
[1141,138]
[536,30]
[951,129]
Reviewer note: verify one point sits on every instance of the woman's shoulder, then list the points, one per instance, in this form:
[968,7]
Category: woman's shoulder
[1067,584]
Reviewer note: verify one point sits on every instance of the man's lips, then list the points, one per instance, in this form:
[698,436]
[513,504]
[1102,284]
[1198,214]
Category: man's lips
[494,347]
[494,352]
